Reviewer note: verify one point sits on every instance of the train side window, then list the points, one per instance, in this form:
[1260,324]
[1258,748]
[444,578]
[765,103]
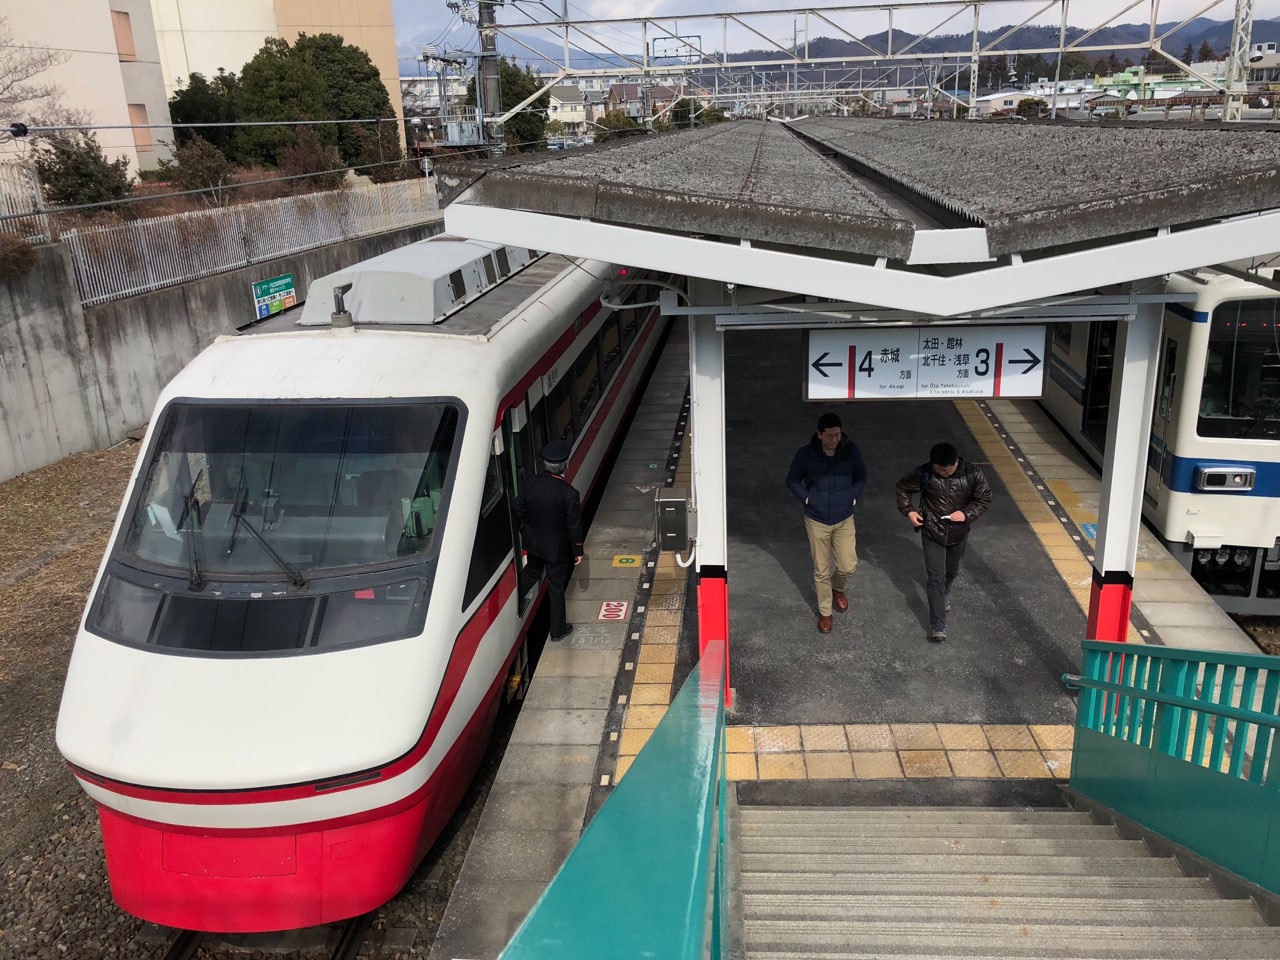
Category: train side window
[1062,336]
[457,285]
[493,534]
[586,382]
[628,326]
[560,412]
[538,424]
[1168,378]
[610,348]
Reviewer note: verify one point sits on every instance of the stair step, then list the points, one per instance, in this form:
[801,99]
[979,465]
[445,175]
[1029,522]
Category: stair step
[946,911]
[847,940]
[845,864]
[1055,830]
[948,815]
[979,884]
[944,846]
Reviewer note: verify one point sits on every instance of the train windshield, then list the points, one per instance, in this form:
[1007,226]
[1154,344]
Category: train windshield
[274,491]
[1241,394]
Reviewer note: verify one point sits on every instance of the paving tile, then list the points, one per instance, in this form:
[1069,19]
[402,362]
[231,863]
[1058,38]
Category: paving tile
[876,765]
[633,739]
[654,634]
[962,736]
[644,716]
[1057,736]
[663,618]
[541,763]
[656,653]
[823,737]
[1009,736]
[655,672]
[740,766]
[869,736]
[915,736]
[1022,763]
[584,693]
[1059,762]
[667,601]
[620,771]
[650,694]
[667,586]
[924,763]
[829,766]
[557,726]
[973,763]
[778,739]
[560,661]
[740,739]
[780,766]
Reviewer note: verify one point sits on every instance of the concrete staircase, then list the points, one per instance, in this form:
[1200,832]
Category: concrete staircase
[855,883]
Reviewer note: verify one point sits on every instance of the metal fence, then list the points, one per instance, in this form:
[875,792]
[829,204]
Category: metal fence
[20,202]
[121,260]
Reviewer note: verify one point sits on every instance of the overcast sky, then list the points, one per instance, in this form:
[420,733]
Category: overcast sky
[413,17]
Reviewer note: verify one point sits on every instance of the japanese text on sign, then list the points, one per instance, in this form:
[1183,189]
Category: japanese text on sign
[908,362]
[272,296]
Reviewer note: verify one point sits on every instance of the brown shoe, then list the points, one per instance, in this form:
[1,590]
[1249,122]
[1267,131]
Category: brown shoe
[839,601]
[824,624]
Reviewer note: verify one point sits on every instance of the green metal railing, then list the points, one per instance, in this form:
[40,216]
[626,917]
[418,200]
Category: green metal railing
[648,877]
[1185,743]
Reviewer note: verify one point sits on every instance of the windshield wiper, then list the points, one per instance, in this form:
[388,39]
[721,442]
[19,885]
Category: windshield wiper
[237,514]
[187,521]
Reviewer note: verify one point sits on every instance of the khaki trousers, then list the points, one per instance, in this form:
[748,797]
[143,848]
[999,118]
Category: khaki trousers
[828,542]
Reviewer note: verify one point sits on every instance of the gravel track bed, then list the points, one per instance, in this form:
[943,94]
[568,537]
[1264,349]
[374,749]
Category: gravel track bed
[54,896]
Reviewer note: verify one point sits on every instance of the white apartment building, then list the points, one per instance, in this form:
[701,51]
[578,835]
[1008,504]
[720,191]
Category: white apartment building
[568,105]
[201,36]
[112,72]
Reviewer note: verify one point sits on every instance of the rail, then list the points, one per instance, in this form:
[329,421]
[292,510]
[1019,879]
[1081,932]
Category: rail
[121,260]
[648,877]
[1185,743]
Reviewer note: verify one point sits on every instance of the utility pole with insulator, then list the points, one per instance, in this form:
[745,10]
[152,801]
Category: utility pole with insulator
[1238,61]
[488,63]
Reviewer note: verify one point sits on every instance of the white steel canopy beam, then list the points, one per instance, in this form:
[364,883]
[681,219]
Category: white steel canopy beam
[983,289]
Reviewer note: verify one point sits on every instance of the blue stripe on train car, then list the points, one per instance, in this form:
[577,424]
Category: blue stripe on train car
[1195,316]
[1182,476]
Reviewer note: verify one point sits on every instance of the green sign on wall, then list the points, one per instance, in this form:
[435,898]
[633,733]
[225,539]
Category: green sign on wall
[272,296]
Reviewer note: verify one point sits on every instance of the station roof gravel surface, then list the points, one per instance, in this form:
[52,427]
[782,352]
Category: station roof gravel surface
[857,185]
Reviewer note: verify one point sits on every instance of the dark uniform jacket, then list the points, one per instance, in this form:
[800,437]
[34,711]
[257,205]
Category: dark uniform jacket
[827,486]
[966,489]
[550,516]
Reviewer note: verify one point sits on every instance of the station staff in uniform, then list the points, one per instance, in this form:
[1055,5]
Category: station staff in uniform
[549,512]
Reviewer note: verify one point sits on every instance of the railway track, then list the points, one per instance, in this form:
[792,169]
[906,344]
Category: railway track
[187,943]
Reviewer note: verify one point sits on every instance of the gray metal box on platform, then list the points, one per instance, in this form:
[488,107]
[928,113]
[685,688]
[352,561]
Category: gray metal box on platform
[673,519]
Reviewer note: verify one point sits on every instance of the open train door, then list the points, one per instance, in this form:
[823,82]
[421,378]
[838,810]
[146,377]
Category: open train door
[1097,390]
[519,463]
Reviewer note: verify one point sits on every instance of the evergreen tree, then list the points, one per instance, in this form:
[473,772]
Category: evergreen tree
[202,101]
[616,125]
[275,85]
[352,87]
[1205,53]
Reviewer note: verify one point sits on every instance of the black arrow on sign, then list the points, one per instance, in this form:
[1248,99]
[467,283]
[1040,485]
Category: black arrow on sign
[818,364]
[1031,361]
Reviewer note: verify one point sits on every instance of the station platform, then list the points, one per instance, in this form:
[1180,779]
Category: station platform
[871,712]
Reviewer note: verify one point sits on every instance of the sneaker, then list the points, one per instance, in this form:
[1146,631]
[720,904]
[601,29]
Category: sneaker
[937,636]
[946,604]
[567,630]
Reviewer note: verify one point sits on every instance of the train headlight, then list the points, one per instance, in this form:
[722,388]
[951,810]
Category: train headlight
[1222,556]
[1202,557]
[1240,558]
[1225,479]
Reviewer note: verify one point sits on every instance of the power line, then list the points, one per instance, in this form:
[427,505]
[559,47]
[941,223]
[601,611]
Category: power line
[183,126]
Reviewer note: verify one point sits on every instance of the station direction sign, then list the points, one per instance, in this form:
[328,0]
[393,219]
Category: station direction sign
[887,363]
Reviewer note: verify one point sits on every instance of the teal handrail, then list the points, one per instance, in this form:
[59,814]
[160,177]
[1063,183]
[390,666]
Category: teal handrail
[648,877]
[1184,742]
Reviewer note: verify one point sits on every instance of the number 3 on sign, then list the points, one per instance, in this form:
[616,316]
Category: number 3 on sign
[613,610]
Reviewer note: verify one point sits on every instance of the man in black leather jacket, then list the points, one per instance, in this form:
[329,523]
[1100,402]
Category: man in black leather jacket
[549,512]
[953,494]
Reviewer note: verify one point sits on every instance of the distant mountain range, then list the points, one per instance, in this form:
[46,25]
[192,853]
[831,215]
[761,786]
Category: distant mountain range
[1119,38]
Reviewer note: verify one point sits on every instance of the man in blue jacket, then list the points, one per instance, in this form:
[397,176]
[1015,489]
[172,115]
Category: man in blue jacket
[828,475]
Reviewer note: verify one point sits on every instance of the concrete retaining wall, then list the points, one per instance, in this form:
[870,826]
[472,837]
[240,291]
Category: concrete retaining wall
[74,378]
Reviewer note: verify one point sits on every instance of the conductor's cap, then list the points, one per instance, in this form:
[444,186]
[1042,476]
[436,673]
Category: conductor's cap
[556,452]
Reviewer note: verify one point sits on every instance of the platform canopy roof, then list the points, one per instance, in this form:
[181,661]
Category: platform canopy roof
[941,217]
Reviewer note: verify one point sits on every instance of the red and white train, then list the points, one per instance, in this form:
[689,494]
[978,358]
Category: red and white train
[290,664]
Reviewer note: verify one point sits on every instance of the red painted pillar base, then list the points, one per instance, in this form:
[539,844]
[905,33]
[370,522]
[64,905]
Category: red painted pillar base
[1110,603]
[713,616]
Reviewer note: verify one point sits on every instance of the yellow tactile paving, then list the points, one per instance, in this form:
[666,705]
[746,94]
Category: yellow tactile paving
[778,740]
[962,736]
[655,672]
[648,694]
[661,634]
[974,763]
[1022,764]
[1058,736]
[924,763]
[663,618]
[740,766]
[665,586]
[666,601]
[656,653]
[829,766]
[877,765]
[644,716]
[1059,762]
[740,739]
[632,739]
[624,764]
[1003,736]
[869,736]
[823,737]
[781,766]
[915,736]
